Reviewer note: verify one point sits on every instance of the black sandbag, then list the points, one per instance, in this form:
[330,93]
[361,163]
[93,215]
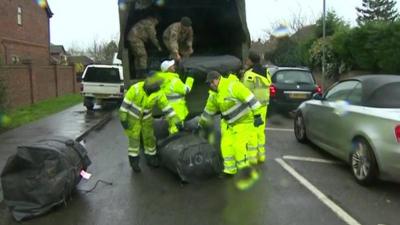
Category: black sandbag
[213,135]
[191,157]
[160,127]
[42,175]
[201,65]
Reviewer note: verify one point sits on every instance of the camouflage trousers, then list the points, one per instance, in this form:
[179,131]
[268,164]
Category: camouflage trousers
[139,54]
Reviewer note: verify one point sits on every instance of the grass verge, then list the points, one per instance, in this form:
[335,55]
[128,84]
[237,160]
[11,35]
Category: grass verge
[24,115]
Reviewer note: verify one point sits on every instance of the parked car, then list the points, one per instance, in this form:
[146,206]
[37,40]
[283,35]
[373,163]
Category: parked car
[290,87]
[103,84]
[358,121]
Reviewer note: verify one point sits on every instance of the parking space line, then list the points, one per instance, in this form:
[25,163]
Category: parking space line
[310,159]
[321,196]
[279,129]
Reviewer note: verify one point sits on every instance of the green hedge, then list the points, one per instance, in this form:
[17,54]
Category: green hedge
[375,47]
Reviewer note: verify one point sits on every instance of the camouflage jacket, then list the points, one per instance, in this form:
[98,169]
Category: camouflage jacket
[173,37]
[144,30]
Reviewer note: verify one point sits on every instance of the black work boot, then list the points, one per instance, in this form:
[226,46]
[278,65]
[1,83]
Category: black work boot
[152,160]
[134,161]
[225,175]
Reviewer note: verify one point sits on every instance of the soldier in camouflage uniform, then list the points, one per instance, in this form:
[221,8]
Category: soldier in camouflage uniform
[178,38]
[140,33]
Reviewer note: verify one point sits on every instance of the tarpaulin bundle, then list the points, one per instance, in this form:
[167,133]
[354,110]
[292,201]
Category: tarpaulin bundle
[189,156]
[212,134]
[199,66]
[42,175]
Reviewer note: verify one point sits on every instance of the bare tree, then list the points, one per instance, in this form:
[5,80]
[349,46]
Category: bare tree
[102,51]
[296,22]
[75,50]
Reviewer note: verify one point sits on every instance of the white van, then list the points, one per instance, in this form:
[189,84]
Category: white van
[102,84]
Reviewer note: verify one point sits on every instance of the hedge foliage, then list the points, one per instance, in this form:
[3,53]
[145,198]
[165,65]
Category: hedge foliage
[374,46]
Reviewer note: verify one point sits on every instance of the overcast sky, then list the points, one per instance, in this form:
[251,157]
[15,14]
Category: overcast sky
[79,22]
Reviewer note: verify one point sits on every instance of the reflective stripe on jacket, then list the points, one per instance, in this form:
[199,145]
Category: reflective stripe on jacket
[173,87]
[233,100]
[137,104]
[258,84]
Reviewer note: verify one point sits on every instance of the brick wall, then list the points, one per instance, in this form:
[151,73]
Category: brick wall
[66,82]
[27,84]
[17,81]
[44,82]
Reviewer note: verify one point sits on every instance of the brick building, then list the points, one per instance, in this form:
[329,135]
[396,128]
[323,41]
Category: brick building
[25,68]
[24,33]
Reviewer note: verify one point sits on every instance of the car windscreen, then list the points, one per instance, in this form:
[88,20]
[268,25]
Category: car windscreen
[102,75]
[293,77]
[387,96]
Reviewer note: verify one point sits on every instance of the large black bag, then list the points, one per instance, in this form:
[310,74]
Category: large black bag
[189,156]
[201,65]
[42,175]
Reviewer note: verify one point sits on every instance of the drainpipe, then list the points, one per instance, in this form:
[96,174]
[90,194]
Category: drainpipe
[5,52]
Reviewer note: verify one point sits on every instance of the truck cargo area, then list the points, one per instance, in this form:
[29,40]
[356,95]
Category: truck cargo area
[219,26]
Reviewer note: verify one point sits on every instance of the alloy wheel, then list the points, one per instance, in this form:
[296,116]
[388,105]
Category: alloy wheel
[361,162]
[299,128]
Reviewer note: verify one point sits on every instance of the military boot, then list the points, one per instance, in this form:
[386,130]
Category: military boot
[134,161]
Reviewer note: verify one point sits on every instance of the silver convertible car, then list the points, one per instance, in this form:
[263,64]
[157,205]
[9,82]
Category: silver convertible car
[358,121]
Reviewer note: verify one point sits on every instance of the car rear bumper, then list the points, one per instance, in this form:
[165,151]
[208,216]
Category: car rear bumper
[284,106]
[389,158]
[102,96]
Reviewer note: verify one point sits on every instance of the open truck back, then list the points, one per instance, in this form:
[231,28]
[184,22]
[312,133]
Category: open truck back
[221,39]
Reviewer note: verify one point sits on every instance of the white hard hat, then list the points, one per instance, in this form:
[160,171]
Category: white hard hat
[165,65]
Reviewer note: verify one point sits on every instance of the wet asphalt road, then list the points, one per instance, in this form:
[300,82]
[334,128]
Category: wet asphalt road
[156,197]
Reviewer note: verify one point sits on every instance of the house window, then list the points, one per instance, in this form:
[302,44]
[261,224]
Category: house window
[19,15]
[15,59]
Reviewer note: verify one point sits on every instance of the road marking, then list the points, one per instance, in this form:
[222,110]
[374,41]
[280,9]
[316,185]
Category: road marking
[310,159]
[279,129]
[321,196]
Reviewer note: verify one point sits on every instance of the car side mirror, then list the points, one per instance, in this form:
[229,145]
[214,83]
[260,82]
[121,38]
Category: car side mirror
[317,96]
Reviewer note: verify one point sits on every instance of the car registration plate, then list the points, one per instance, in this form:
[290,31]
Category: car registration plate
[102,95]
[298,95]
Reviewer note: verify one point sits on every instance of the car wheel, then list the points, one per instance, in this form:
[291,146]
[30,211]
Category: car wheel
[300,128]
[363,163]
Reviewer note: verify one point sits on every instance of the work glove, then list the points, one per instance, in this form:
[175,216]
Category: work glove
[125,124]
[179,126]
[257,120]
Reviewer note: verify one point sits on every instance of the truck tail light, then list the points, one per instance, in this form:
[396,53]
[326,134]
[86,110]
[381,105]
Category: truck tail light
[397,133]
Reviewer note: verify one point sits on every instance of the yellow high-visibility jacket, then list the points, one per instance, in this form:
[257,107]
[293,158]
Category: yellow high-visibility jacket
[233,100]
[173,87]
[258,84]
[137,104]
